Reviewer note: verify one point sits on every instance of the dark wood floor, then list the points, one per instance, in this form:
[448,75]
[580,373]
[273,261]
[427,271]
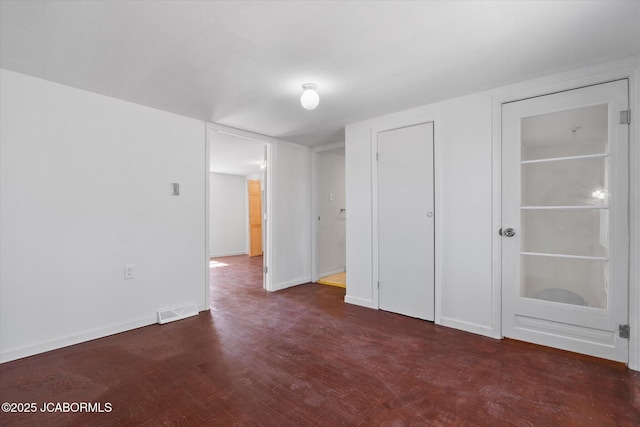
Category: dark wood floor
[301,357]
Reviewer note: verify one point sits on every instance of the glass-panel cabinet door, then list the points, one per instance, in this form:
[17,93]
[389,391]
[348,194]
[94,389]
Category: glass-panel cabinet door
[564,211]
[564,235]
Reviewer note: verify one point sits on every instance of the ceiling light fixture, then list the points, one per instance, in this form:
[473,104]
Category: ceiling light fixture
[309,98]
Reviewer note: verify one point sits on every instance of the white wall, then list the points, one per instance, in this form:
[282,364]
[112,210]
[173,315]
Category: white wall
[332,223]
[85,190]
[228,215]
[467,296]
[291,261]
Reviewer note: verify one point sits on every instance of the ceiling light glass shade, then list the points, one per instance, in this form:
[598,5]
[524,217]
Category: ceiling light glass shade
[309,98]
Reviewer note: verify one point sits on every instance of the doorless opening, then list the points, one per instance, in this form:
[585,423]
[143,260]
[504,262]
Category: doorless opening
[329,215]
[238,219]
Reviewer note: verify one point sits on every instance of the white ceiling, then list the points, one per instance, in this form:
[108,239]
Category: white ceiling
[236,156]
[242,64]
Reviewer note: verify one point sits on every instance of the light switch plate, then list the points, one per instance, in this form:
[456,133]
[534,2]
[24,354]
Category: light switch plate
[129,271]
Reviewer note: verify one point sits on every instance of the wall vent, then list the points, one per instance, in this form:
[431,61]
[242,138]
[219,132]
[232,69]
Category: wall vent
[171,314]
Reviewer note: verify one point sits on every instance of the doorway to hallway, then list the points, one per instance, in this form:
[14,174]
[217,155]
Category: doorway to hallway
[329,215]
[239,197]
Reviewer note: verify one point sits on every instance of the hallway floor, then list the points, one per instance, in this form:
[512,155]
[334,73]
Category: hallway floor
[302,357]
[338,279]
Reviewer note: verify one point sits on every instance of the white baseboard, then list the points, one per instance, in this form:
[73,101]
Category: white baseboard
[331,273]
[227,254]
[360,301]
[10,355]
[461,325]
[291,283]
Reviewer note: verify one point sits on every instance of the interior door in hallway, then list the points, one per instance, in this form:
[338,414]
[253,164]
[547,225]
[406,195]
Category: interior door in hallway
[406,221]
[564,218]
[255,218]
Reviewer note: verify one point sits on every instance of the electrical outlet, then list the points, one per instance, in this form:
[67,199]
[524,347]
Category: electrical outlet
[129,271]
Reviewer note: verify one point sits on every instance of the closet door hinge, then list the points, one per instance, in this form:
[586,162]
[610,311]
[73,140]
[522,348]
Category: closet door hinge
[377,156]
[623,331]
[625,117]
[265,269]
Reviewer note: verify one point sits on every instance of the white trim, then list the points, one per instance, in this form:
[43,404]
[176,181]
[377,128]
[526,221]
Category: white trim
[496,217]
[331,273]
[361,302]
[556,159]
[10,355]
[375,278]
[327,147]
[634,212]
[268,255]
[247,221]
[315,178]
[414,119]
[438,209]
[567,81]
[542,208]
[243,134]
[268,141]
[467,326]
[228,254]
[626,68]
[592,258]
[291,283]
[207,217]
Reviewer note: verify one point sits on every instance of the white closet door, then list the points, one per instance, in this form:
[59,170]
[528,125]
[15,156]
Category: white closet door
[564,218]
[406,221]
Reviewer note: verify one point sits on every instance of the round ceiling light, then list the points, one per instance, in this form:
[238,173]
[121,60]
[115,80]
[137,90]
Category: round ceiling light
[309,98]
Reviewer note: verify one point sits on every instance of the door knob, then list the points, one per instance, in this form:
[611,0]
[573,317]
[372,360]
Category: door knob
[508,232]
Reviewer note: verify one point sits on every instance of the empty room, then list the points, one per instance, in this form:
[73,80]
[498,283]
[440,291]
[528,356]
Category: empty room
[181,183]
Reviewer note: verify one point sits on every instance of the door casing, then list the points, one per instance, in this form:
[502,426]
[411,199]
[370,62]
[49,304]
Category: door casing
[210,130]
[560,326]
[629,68]
[315,194]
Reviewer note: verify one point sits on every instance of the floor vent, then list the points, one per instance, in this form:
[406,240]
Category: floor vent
[171,314]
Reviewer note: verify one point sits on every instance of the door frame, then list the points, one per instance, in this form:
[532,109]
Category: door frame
[559,83]
[315,201]
[409,121]
[210,131]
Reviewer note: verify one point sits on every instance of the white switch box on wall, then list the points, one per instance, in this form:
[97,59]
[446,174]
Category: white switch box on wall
[129,271]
